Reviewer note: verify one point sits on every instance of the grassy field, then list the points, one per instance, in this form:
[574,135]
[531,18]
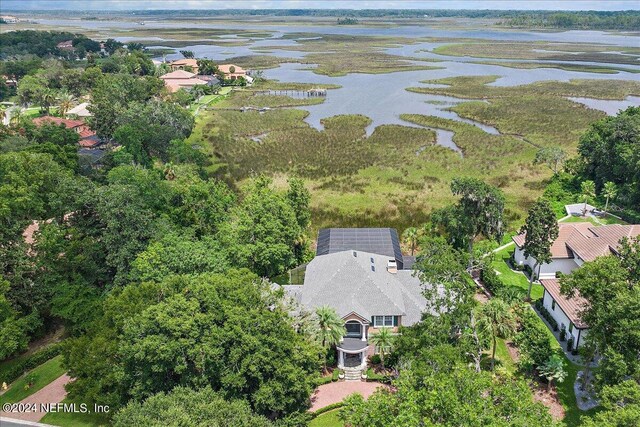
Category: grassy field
[328,419]
[539,112]
[70,419]
[396,176]
[555,51]
[604,69]
[38,377]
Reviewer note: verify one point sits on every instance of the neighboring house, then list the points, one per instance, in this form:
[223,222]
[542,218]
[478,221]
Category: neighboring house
[80,110]
[358,272]
[565,311]
[576,244]
[65,45]
[8,19]
[88,138]
[182,64]
[180,79]
[232,72]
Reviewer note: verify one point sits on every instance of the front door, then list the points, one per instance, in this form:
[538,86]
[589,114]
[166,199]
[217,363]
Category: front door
[352,360]
[353,330]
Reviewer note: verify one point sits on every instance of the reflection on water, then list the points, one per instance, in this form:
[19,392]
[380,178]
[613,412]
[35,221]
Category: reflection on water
[383,97]
[609,106]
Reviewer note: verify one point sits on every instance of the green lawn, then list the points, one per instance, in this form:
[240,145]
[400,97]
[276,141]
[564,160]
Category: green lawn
[40,377]
[70,419]
[328,419]
[513,278]
[604,220]
[503,358]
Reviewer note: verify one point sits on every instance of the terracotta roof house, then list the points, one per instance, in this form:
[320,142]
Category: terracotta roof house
[232,72]
[367,289]
[181,64]
[65,45]
[576,244]
[88,138]
[181,79]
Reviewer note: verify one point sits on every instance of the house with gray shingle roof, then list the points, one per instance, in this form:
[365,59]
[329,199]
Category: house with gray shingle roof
[367,288]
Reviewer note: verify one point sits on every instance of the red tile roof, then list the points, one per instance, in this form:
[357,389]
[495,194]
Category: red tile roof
[70,124]
[572,307]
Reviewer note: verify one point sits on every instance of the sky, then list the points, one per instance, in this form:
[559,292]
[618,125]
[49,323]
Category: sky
[318,4]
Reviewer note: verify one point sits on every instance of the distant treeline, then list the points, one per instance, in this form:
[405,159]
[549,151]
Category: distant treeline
[601,20]
[624,20]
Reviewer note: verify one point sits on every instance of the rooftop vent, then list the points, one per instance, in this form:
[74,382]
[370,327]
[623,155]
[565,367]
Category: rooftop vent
[355,254]
[392,267]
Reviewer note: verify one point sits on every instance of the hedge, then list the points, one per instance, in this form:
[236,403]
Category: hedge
[545,313]
[327,409]
[30,362]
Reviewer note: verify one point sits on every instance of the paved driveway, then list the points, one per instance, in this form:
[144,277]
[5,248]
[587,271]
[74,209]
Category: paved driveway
[335,392]
[53,392]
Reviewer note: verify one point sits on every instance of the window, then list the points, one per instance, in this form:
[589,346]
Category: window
[553,304]
[384,321]
[570,327]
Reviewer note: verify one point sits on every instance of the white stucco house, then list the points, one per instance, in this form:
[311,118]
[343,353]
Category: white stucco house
[576,244]
[361,273]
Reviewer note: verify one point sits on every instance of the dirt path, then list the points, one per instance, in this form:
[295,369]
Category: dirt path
[53,392]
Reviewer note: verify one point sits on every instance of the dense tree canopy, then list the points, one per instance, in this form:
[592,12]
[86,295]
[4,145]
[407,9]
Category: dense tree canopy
[611,152]
[611,284]
[184,407]
[220,330]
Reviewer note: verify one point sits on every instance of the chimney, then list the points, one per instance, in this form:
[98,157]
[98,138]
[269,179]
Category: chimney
[392,267]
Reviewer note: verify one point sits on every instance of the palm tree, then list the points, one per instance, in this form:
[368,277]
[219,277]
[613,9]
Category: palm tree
[588,192]
[330,329]
[15,115]
[65,104]
[610,191]
[410,237]
[496,318]
[46,100]
[169,172]
[553,370]
[383,340]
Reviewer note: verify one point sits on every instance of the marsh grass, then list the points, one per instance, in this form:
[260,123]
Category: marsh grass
[556,51]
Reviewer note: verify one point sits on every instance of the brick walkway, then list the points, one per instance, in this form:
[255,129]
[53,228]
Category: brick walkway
[335,392]
[53,392]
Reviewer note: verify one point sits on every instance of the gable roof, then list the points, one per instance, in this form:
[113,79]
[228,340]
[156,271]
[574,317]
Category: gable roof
[356,281]
[178,74]
[381,241]
[226,69]
[570,306]
[68,123]
[585,240]
[185,63]
[80,110]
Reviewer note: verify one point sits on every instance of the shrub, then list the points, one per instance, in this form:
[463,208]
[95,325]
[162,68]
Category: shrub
[491,280]
[569,344]
[375,359]
[30,362]
[563,335]
[327,409]
[547,316]
[532,340]
[335,375]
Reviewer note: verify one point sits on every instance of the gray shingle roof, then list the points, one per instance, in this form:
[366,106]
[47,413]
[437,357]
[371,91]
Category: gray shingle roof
[356,281]
[381,241]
